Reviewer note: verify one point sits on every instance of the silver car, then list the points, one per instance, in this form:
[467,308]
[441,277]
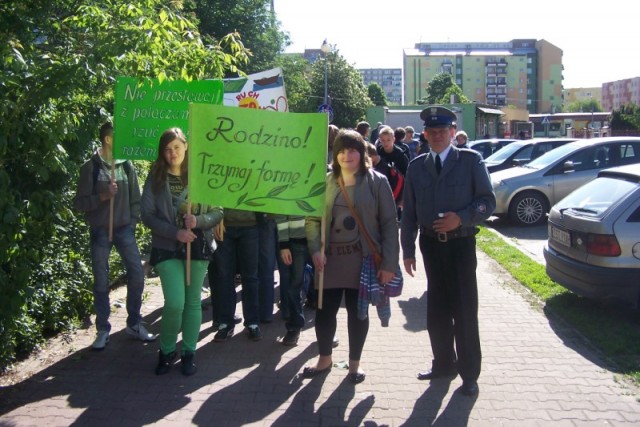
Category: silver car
[594,237]
[526,193]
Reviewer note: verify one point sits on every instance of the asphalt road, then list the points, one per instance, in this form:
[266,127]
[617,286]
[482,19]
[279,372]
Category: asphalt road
[530,240]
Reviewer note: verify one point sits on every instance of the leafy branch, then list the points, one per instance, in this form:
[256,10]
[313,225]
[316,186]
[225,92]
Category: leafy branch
[273,194]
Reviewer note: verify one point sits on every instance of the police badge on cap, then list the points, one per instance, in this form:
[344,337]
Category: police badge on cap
[437,117]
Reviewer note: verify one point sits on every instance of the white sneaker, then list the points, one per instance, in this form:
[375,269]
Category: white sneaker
[140,332]
[101,341]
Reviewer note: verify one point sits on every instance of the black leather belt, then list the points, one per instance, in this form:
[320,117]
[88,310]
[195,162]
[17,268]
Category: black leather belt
[445,237]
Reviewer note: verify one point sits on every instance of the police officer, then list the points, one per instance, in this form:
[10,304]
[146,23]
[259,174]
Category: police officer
[447,193]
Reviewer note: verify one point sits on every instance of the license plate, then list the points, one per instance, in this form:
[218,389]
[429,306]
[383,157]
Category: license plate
[561,236]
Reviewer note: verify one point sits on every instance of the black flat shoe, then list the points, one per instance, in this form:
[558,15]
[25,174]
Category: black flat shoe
[432,375]
[310,372]
[357,377]
[469,388]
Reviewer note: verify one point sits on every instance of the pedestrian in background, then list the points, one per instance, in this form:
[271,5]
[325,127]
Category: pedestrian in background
[369,194]
[447,194]
[164,211]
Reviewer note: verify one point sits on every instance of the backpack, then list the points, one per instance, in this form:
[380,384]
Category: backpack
[396,181]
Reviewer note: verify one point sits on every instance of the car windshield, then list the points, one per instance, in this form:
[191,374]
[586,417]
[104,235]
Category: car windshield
[502,154]
[595,197]
[552,156]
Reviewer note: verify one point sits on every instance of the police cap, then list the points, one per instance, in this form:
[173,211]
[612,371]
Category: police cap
[437,117]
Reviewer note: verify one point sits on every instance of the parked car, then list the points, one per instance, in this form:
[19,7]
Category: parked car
[522,152]
[594,237]
[487,147]
[526,193]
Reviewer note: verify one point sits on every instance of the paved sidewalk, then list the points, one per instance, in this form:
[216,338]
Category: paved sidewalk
[536,372]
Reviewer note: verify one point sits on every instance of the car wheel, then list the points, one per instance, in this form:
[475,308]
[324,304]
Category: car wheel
[529,208]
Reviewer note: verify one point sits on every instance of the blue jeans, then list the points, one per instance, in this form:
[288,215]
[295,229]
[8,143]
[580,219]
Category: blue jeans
[266,267]
[124,240]
[239,249]
[294,299]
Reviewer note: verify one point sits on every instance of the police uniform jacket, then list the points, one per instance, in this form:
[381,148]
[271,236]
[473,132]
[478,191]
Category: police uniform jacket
[373,201]
[463,186]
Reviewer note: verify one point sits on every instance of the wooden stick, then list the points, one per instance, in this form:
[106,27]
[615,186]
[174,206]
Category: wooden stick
[188,278]
[323,226]
[112,200]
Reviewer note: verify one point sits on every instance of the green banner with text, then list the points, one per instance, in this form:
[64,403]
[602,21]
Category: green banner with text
[145,109]
[258,160]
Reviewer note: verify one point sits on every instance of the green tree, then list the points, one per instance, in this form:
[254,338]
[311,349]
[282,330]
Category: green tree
[296,70]
[347,93]
[627,118]
[252,19]
[377,95]
[586,106]
[437,89]
[58,64]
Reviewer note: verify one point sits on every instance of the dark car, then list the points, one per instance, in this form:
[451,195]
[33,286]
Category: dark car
[594,237]
[487,147]
[522,152]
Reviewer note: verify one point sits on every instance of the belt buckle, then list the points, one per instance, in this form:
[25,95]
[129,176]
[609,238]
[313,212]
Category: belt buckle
[443,237]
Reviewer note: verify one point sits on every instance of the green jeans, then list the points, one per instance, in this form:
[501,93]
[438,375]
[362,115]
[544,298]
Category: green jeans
[182,307]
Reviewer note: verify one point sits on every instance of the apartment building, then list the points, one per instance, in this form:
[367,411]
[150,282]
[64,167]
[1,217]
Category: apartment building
[524,73]
[389,79]
[619,93]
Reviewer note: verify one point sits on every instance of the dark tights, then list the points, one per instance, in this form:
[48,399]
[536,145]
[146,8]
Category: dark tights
[326,322]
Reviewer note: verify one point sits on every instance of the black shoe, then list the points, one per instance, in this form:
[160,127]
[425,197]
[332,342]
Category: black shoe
[432,375]
[254,332]
[310,372]
[215,326]
[224,333]
[357,378]
[164,362]
[188,363]
[335,342]
[469,388]
[291,339]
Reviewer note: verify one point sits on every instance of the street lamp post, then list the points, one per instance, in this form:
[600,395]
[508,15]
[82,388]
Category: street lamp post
[325,48]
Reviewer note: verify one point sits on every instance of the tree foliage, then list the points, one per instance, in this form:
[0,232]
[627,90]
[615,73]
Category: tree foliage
[588,105]
[377,95]
[347,93]
[295,70]
[440,90]
[58,64]
[252,19]
[627,118]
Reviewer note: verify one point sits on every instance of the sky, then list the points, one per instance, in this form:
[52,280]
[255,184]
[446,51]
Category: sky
[598,40]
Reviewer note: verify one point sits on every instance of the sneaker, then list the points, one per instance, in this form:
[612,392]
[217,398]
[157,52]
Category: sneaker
[254,332]
[215,326]
[188,364]
[101,341]
[224,333]
[291,339]
[164,362]
[141,333]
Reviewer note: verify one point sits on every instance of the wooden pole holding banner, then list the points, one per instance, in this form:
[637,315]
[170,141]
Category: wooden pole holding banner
[323,226]
[188,272]
[111,200]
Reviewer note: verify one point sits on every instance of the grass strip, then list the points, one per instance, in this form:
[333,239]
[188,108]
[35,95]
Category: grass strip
[613,330]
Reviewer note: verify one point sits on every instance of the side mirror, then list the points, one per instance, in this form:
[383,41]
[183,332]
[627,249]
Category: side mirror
[516,162]
[568,166]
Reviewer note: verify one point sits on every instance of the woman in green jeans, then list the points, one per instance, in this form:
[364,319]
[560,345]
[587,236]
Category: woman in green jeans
[164,211]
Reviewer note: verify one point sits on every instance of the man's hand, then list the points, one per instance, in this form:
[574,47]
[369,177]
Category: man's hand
[111,192]
[447,222]
[410,266]
[185,236]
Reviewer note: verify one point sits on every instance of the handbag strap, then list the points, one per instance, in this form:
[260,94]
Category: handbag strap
[368,238]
